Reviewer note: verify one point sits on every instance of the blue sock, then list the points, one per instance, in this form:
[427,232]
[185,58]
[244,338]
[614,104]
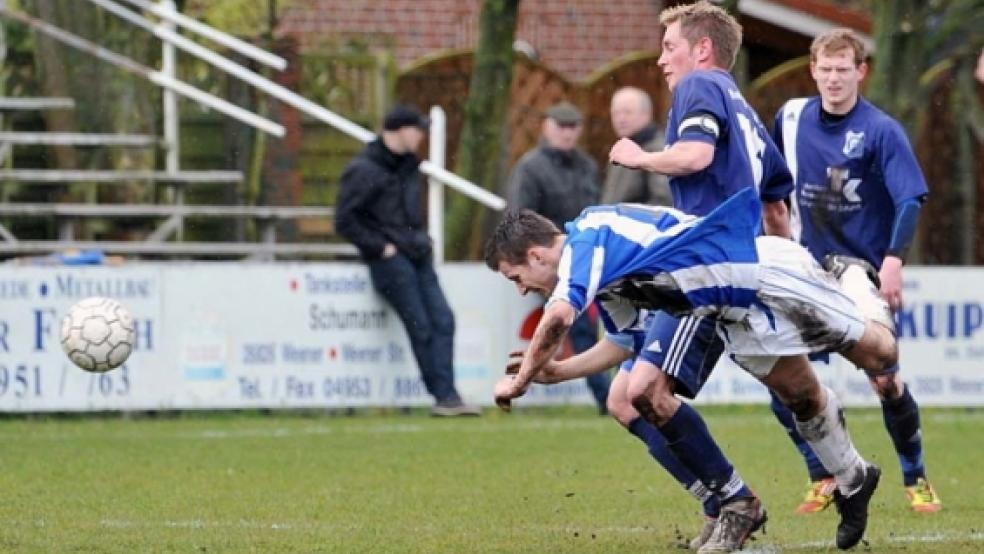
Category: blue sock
[656,443]
[902,421]
[687,436]
[785,417]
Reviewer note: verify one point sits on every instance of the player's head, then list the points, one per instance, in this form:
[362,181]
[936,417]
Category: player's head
[562,126]
[525,248]
[404,128]
[697,36]
[632,111]
[837,65]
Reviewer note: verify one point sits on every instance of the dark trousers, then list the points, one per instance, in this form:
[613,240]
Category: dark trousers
[412,289]
[584,334]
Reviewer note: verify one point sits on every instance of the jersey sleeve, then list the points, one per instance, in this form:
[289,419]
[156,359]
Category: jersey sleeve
[903,176]
[777,181]
[702,114]
[624,340]
[579,272]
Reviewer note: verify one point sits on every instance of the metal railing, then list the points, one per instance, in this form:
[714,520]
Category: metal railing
[165,78]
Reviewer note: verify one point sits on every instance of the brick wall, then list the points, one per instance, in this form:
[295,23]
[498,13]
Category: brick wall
[574,37]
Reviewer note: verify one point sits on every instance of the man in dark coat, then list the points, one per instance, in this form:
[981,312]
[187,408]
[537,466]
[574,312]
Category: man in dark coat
[379,210]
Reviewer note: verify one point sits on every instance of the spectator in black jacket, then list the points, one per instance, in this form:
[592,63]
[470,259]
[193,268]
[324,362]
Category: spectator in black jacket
[379,210]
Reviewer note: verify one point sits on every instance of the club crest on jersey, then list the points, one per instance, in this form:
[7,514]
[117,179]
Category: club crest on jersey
[854,144]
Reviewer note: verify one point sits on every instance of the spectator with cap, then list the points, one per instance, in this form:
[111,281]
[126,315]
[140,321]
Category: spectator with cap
[379,210]
[632,117]
[557,180]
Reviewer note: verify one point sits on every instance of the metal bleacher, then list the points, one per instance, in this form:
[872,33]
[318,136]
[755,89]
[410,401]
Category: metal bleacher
[167,238]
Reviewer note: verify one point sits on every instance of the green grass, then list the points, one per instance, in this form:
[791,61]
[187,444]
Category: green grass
[557,480]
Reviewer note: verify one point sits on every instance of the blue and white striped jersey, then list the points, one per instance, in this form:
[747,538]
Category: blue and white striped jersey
[631,256]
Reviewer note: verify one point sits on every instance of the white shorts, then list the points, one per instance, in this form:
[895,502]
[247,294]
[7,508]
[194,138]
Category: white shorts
[800,310]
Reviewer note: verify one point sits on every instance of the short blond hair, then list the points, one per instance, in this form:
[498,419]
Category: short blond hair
[836,40]
[704,19]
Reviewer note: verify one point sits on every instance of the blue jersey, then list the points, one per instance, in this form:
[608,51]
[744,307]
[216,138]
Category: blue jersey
[708,107]
[850,175]
[630,256]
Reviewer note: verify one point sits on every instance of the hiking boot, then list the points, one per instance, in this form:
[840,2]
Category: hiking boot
[854,509]
[738,520]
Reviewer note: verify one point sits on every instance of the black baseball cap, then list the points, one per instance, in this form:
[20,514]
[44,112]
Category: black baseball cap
[403,115]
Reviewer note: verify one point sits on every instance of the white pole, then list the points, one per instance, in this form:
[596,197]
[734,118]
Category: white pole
[5,148]
[172,138]
[213,34]
[435,195]
[168,68]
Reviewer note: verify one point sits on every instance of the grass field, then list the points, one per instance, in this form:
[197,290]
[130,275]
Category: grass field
[551,480]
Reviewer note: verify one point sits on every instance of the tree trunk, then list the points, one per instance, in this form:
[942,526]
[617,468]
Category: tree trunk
[479,158]
[921,46]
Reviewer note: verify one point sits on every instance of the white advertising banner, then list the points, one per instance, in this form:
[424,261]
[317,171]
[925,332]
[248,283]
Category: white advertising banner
[941,347]
[239,335]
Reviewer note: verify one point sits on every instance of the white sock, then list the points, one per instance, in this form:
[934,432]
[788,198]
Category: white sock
[827,436]
[859,288]
[700,492]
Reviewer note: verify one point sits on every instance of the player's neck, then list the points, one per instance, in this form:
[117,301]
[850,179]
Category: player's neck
[841,108]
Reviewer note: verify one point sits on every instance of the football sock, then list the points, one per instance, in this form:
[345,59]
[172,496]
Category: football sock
[785,417]
[827,435]
[687,436]
[656,443]
[902,421]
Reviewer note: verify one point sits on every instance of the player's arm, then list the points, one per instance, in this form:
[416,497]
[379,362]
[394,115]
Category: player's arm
[549,335]
[600,357]
[684,157]
[903,231]
[775,219]
[359,190]
[703,121]
[906,184]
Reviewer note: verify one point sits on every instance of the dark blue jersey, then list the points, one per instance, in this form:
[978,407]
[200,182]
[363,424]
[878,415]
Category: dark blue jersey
[850,175]
[708,107]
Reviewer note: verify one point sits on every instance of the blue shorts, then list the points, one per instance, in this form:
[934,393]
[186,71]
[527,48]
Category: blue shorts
[686,349]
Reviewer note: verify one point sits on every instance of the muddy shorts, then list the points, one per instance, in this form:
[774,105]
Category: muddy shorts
[800,310]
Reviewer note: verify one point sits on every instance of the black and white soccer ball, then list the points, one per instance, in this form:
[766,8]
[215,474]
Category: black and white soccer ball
[97,334]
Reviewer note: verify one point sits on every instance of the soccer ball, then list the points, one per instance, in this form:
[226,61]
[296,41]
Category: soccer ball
[97,334]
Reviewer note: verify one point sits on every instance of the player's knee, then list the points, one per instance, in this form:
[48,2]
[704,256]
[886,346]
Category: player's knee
[883,356]
[877,355]
[885,385]
[621,410]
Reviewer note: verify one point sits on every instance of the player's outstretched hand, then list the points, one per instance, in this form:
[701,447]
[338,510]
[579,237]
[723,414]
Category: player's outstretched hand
[504,393]
[515,360]
[626,152]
